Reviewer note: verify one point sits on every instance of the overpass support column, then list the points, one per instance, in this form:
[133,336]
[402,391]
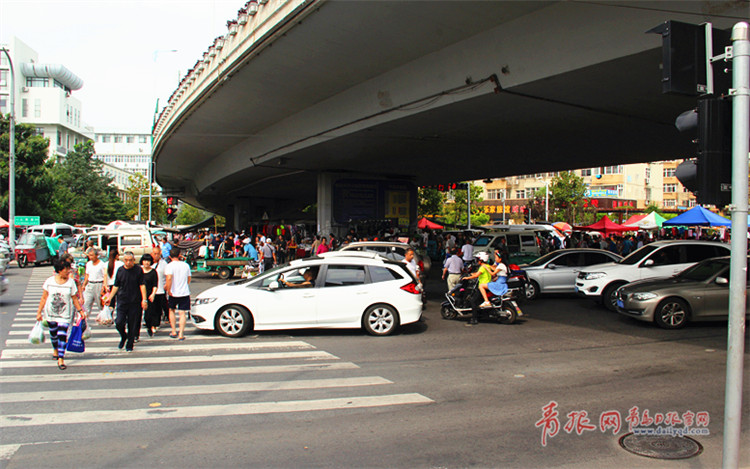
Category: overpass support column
[325,203]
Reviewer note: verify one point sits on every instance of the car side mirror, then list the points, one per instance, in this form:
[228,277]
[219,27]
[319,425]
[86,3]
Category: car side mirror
[273,285]
[551,266]
[721,281]
[648,263]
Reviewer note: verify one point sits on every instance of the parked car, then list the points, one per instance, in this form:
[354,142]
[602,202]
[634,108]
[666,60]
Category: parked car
[523,244]
[390,250]
[698,293]
[3,283]
[346,290]
[658,260]
[137,241]
[556,272]
[53,230]
[4,258]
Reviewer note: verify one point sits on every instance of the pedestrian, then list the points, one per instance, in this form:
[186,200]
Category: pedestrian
[59,298]
[151,282]
[63,249]
[268,255]
[131,300]
[160,300]
[93,281]
[452,270]
[177,287]
[113,265]
[467,251]
[323,246]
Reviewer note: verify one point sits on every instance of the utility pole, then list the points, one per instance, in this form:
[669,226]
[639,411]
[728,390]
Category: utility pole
[12,157]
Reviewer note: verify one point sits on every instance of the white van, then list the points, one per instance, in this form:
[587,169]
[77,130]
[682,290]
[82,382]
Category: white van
[524,245]
[137,241]
[53,230]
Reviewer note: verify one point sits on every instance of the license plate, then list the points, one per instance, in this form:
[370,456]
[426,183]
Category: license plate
[620,304]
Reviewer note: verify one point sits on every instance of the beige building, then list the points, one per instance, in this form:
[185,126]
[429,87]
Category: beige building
[620,188]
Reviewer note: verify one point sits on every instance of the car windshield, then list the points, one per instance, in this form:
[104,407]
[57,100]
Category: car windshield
[702,271]
[544,259]
[27,238]
[483,241]
[639,255]
[262,280]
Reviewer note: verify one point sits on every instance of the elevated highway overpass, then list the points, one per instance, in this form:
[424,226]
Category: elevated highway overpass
[303,96]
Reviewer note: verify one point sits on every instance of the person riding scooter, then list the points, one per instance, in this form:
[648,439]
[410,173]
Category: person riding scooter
[483,275]
[499,286]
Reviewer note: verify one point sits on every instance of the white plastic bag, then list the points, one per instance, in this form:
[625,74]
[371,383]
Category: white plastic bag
[86,331]
[105,317]
[37,333]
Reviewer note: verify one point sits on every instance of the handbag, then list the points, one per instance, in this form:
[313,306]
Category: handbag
[37,333]
[75,338]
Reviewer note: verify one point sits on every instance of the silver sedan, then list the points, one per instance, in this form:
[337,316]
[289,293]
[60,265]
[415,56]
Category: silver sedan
[699,293]
[556,272]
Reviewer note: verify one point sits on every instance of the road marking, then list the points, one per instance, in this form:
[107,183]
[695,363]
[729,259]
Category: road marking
[186,346]
[162,391]
[7,451]
[124,374]
[253,408]
[138,360]
[97,339]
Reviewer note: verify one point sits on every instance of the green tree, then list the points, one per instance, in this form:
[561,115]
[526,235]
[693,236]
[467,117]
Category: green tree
[33,181]
[189,215]
[566,198]
[431,201]
[82,193]
[138,191]
[455,213]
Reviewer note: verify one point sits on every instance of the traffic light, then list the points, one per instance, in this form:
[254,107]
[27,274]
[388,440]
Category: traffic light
[171,208]
[709,176]
[448,187]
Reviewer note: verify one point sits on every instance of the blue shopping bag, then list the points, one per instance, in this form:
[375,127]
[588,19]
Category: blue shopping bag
[75,338]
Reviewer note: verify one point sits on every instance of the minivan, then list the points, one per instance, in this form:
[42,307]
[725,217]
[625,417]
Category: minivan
[53,230]
[523,245]
[138,242]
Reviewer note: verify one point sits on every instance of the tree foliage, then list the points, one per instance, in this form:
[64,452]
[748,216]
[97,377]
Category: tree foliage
[567,194]
[455,213]
[82,193]
[33,181]
[189,215]
[138,191]
[431,201]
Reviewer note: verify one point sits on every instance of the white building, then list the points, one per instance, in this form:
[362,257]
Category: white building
[43,98]
[130,151]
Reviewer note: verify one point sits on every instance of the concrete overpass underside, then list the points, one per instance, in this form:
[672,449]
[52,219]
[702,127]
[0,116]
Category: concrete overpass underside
[427,92]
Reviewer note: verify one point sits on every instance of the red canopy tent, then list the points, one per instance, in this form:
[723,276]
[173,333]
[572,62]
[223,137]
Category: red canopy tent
[3,223]
[425,223]
[606,226]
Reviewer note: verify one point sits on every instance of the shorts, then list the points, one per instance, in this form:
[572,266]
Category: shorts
[179,303]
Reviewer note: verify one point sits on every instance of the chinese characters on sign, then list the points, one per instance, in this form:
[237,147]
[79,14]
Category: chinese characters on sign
[641,423]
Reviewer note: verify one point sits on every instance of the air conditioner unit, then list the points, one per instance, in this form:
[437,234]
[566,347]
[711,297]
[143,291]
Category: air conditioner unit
[25,89]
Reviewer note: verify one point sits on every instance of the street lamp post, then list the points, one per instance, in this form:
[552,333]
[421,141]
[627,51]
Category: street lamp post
[11,156]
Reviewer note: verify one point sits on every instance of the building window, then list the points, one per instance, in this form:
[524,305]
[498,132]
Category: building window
[669,172]
[39,131]
[620,190]
[3,78]
[118,138]
[142,139]
[3,104]
[648,175]
[669,188]
[33,82]
[59,138]
[24,107]
[130,139]
[586,172]
[670,203]
[612,169]
[691,203]
[37,108]
[105,139]
[520,194]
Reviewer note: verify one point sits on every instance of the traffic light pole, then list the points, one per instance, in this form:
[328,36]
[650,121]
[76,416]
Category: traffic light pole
[738,264]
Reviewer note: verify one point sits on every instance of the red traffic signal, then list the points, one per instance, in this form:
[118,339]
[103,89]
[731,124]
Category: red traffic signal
[171,200]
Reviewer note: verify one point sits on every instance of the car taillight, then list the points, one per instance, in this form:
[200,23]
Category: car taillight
[514,267]
[411,287]
[421,266]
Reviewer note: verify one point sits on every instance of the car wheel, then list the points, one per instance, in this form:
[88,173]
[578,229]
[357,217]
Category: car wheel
[380,320]
[532,290]
[233,321]
[671,313]
[508,314]
[225,273]
[609,299]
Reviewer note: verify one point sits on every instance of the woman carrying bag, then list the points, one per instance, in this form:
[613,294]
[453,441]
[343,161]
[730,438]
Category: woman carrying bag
[59,298]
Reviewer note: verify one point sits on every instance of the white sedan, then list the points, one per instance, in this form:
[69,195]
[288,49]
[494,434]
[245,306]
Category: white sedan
[335,290]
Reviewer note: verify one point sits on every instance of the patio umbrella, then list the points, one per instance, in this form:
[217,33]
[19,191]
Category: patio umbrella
[651,221]
[606,226]
[633,220]
[698,216]
[562,227]
[424,223]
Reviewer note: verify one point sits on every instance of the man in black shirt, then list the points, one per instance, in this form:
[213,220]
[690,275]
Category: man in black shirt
[131,300]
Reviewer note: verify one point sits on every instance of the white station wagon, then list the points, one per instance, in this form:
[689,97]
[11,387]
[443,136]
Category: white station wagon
[336,290]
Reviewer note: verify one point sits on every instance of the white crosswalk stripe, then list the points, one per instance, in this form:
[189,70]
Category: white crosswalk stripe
[205,376]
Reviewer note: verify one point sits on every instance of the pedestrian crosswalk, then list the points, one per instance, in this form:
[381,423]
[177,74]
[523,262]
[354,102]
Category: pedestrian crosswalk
[206,376]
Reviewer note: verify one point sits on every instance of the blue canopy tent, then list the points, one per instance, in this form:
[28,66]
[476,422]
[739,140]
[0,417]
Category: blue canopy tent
[698,216]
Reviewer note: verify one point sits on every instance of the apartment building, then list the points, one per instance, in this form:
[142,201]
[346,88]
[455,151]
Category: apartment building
[43,97]
[619,188]
[130,151]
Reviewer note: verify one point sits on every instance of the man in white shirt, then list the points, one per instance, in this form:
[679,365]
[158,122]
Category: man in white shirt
[160,300]
[96,273]
[177,287]
[452,270]
[467,251]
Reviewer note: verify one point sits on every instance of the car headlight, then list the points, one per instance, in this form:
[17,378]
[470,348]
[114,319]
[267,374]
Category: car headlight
[644,296]
[202,301]
[594,275]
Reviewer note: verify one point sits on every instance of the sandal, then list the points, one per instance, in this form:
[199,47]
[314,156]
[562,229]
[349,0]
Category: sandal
[174,336]
[62,366]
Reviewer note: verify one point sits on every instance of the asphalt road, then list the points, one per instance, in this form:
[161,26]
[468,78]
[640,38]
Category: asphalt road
[437,394]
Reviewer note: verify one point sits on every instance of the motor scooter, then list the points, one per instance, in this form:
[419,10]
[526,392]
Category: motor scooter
[465,297]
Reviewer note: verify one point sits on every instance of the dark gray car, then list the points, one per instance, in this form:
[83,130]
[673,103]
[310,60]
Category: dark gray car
[556,272]
[699,293]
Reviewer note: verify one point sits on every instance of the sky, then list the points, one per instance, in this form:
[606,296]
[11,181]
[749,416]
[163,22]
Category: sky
[129,53]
